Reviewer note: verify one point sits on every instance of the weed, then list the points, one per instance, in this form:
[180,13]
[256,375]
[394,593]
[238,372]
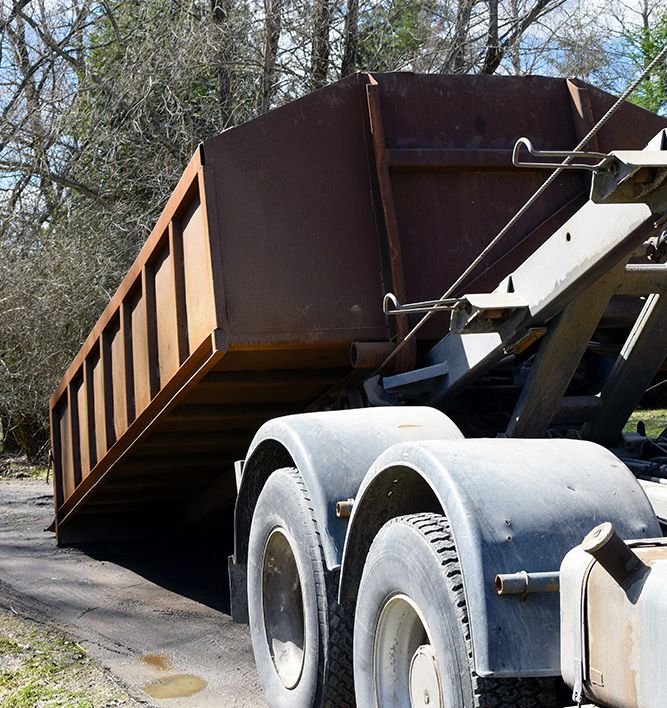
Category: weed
[654,420]
[40,667]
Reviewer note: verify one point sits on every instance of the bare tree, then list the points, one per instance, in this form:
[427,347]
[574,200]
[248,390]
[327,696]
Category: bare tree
[350,38]
[273,19]
[102,103]
[321,45]
[456,59]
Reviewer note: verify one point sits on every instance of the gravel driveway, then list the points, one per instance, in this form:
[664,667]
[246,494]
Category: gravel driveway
[154,613]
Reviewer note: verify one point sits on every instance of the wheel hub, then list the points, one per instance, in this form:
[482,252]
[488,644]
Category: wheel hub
[425,688]
[282,602]
[405,664]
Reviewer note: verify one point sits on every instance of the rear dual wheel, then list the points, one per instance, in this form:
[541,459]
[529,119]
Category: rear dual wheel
[301,638]
[412,643]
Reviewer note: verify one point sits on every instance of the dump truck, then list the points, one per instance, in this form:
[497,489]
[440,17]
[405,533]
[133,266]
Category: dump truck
[433,499]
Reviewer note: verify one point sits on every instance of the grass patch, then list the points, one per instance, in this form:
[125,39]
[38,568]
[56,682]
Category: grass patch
[654,420]
[40,668]
[18,467]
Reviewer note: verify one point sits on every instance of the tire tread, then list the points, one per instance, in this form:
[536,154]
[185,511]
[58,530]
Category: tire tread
[338,683]
[487,692]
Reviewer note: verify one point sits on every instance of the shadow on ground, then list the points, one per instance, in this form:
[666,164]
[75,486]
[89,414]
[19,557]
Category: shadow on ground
[193,567]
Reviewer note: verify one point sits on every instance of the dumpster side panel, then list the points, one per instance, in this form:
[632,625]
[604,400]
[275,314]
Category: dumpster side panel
[453,182]
[297,222]
[117,369]
[66,459]
[98,405]
[83,434]
[163,311]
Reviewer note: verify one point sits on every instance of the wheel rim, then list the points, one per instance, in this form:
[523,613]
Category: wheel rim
[405,664]
[282,603]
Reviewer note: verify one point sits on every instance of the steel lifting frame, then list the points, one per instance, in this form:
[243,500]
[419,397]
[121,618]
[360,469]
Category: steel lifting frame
[558,295]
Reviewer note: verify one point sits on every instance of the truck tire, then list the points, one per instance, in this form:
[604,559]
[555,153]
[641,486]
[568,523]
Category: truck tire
[301,638]
[412,643]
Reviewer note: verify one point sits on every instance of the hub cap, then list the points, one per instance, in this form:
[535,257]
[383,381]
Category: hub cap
[425,689]
[282,603]
[404,662]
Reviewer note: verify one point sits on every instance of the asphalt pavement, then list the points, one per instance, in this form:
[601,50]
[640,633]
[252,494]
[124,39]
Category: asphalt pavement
[154,613]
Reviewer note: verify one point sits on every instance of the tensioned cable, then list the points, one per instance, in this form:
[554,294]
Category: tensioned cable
[540,191]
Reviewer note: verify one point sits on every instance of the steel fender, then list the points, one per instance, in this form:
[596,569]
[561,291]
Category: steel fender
[513,505]
[333,451]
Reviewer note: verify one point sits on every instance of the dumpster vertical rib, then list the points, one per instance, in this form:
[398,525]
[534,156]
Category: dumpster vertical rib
[407,356]
[128,364]
[82,416]
[211,224]
[73,411]
[582,112]
[178,275]
[90,406]
[148,285]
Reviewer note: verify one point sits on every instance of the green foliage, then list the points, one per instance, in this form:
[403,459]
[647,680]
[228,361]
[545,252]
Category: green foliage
[392,32]
[644,44]
[654,420]
[40,667]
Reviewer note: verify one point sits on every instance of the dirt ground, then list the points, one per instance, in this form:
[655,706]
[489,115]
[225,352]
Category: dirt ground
[152,613]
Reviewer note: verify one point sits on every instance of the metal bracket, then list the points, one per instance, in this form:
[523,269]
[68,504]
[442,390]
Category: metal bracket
[416,376]
[391,305]
[559,154]
[481,312]
[470,312]
[628,175]
[619,177]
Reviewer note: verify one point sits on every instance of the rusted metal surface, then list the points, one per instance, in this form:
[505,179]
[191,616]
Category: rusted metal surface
[611,552]
[406,358]
[272,257]
[523,583]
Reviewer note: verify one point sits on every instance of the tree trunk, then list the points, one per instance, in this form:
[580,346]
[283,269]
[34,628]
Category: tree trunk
[321,45]
[493,53]
[456,62]
[516,46]
[273,9]
[220,12]
[351,39]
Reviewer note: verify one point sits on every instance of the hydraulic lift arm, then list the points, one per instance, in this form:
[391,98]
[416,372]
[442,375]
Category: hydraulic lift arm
[559,295]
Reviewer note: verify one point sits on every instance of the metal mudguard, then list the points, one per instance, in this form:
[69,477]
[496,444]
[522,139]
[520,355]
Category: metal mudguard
[332,450]
[513,505]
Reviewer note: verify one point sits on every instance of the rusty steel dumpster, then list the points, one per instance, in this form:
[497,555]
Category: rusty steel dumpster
[269,264]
